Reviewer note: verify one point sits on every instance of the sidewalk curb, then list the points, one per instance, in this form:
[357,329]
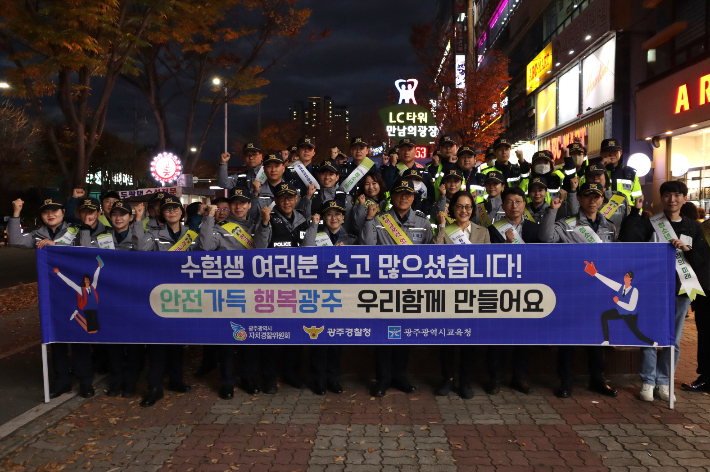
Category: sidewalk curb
[33,427]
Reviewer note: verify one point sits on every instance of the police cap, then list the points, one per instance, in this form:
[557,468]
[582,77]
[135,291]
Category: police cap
[501,142]
[495,176]
[403,185]
[241,194]
[286,189]
[588,188]
[122,206]
[306,142]
[611,145]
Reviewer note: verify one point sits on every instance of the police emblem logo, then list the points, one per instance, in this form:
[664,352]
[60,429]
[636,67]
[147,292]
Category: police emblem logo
[250,144]
[160,195]
[48,201]
[308,140]
[405,182]
[612,143]
[238,191]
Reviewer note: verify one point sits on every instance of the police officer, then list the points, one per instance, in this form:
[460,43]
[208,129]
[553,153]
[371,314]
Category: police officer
[511,229]
[513,173]
[450,184]
[392,361]
[55,231]
[305,151]
[328,174]
[537,196]
[152,221]
[447,156]
[358,152]
[166,358]
[543,165]
[405,160]
[491,209]
[126,360]
[615,206]
[325,360]
[285,227]
[590,196]
[473,180]
[422,201]
[251,155]
[88,212]
[433,166]
[107,201]
[578,156]
[233,233]
[276,174]
[623,178]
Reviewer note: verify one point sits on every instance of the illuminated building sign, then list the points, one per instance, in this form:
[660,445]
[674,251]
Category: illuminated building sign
[546,109]
[675,102]
[407,119]
[538,68]
[682,102]
[460,71]
[117,179]
[166,167]
[598,76]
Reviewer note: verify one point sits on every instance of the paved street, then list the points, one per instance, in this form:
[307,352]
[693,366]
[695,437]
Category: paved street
[298,431]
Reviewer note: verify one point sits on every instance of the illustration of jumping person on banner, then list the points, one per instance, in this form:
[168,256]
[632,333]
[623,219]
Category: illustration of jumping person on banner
[87,299]
[626,300]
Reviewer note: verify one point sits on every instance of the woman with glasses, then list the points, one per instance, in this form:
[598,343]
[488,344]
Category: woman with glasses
[455,227]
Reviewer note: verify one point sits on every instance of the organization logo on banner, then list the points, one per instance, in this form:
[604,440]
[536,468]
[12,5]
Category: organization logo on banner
[394,332]
[240,334]
[313,332]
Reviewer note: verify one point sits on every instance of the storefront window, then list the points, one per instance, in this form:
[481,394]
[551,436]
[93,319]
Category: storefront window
[690,163]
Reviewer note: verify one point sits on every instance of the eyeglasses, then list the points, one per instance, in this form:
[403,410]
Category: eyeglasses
[172,210]
[514,202]
[464,207]
[222,210]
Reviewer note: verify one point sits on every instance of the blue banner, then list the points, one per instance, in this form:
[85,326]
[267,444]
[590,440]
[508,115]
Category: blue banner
[541,294]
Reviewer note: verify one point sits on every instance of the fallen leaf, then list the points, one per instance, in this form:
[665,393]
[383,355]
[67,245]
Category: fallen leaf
[338,459]
[424,428]
[438,450]
[401,448]
[582,441]
[387,430]
[644,444]
[688,427]
[371,450]
[362,442]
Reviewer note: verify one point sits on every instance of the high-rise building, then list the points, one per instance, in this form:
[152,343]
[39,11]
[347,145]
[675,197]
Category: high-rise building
[319,116]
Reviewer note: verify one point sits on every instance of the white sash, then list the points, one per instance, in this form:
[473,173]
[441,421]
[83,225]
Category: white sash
[105,241]
[69,236]
[322,239]
[357,174]
[503,226]
[305,176]
[586,231]
[261,175]
[688,280]
[457,235]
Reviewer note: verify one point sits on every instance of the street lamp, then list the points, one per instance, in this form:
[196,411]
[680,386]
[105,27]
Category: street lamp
[218,81]
[4,85]
[193,149]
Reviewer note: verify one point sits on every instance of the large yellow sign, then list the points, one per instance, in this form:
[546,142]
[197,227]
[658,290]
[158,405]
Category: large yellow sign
[538,68]
[546,109]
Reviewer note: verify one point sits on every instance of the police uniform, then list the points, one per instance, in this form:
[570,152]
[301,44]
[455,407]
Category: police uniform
[437,171]
[565,231]
[623,178]
[391,361]
[553,178]
[282,231]
[493,206]
[574,148]
[104,219]
[326,360]
[165,358]
[301,186]
[616,205]
[62,235]
[322,195]
[422,200]
[359,212]
[442,203]
[126,360]
[86,232]
[266,191]
[473,180]
[347,167]
[245,178]
[569,207]
[393,173]
[513,173]
[151,223]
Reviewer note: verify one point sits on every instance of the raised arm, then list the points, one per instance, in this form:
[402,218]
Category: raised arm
[76,288]
[96,275]
[615,286]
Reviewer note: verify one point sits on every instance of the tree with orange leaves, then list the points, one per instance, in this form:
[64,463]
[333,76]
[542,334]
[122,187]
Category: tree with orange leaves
[472,110]
[237,40]
[67,55]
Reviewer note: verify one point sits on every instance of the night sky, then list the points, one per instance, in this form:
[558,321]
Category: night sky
[366,52]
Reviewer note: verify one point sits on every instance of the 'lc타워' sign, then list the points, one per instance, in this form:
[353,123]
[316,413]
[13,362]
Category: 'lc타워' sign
[407,119]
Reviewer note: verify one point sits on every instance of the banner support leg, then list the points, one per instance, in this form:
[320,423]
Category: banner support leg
[45,373]
[671,383]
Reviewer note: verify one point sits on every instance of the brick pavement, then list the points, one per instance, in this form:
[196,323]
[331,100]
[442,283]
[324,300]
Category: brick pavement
[298,431]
